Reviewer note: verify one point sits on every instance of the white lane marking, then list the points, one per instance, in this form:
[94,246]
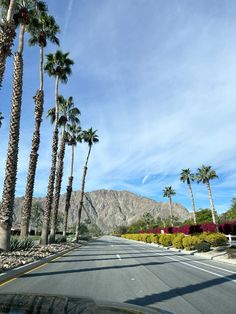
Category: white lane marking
[118,256]
[202,269]
[190,260]
[208,265]
[199,268]
[132,279]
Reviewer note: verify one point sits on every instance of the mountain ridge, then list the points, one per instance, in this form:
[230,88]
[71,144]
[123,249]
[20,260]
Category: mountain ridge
[110,208]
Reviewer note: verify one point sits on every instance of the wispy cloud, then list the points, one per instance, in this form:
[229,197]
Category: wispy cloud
[157,79]
[68,17]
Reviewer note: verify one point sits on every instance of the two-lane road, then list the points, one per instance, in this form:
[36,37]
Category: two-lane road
[119,270]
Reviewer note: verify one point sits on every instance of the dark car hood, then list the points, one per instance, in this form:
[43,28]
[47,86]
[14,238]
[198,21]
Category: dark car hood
[36,303]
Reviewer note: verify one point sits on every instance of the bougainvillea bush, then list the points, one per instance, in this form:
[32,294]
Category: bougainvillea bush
[226,228]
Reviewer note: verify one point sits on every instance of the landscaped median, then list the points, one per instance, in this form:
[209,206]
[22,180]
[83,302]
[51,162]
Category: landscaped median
[201,242]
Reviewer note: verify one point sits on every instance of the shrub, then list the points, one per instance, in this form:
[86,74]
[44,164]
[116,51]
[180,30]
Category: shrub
[190,242]
[148,239]
[203,247]
[17,244]
[165,239]
[216,239]
[155,238]
[61,239]
[178,241]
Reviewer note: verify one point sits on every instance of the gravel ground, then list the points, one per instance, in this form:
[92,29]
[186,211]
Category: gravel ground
[9,260]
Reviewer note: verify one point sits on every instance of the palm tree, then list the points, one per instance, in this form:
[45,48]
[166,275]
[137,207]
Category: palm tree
[59,66]
[186,175]
[168,192]
[204,175]
[90,137]
[1,118]
[67,113]
[73,136]
[27,10]
[43,28]
[7,33]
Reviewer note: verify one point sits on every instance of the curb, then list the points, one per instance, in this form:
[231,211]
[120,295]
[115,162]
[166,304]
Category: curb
[21,270]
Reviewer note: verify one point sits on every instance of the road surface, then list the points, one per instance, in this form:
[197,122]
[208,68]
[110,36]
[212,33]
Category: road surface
[119,270]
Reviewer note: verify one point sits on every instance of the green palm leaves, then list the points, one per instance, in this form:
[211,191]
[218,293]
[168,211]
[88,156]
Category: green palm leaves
[43,29]
[90,136]
[59,65]
[205,174]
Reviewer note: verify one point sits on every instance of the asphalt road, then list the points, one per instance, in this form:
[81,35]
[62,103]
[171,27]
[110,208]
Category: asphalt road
[119,270]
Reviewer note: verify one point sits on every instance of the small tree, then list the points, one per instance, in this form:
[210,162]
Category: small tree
[204,175]
[169,192]
[187,176]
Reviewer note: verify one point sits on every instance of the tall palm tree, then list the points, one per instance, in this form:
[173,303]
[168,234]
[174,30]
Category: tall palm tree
[187,175]
[27,10]
[1,118]
[59,66]
[168,192]
[67,113]
[73,136]
[90,137]
[7,33]
[43,29]
[204,175]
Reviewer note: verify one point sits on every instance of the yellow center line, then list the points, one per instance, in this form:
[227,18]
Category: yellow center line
[33,269]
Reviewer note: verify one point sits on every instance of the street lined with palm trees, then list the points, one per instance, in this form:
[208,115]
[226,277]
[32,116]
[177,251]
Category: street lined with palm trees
[31,16]
[120,270]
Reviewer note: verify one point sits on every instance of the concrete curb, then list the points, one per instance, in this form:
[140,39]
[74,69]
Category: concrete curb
[21,270]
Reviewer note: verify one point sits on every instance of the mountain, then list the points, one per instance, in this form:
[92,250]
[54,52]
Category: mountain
[109,208]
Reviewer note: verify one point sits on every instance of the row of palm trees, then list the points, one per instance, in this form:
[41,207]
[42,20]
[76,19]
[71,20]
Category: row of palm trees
[203,175]
[32,16]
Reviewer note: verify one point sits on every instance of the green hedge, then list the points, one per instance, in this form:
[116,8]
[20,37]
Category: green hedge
[181,241]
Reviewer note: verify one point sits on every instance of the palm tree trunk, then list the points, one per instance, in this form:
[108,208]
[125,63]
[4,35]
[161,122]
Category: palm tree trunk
[49,197]
[68,192]
[213,212]
[82,196]
[7,35]
[59,175]
[26,209]
[6,214]
[193,203]
[10,10]
[171,211]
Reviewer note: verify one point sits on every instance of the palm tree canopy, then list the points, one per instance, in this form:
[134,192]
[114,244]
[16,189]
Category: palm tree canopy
[89,136]
[1,118]
[67,112]
[168,191]
[43,28]
[58,64]
[205,174]
[73,134]
[24,10]
[186,175]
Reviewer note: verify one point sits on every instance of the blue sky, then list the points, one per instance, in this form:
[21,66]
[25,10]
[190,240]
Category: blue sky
[157,79]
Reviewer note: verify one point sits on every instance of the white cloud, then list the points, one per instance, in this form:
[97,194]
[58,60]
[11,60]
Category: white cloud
[159,85]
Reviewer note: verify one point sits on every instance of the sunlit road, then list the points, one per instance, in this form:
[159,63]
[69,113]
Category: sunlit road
[120,270]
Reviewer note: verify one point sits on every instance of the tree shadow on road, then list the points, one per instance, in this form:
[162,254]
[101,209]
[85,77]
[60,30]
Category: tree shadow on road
[82,270]
[176,292]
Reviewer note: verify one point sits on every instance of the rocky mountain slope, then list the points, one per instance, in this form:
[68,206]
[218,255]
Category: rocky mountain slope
[109,208]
